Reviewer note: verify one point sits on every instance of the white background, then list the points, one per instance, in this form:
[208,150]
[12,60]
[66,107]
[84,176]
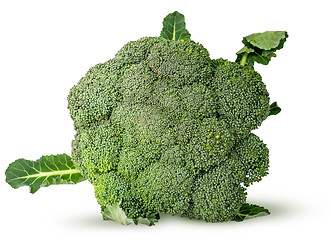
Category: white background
[47,46]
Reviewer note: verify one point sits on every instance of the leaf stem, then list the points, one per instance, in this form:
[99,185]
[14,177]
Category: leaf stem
[244,59]
[51,173]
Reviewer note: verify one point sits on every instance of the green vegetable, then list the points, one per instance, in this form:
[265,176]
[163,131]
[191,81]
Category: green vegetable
[163,128]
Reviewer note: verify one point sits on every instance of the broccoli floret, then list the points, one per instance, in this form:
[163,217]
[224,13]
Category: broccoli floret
[217,196]
[95,96]
[250,159]
[243,100]
[164,187]
[181,62]
[97,149]
[112,188]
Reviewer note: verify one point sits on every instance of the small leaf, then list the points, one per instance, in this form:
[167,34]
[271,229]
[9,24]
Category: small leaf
[174,27]
[260,47]
[250,211]
[274,109]
[149,220]
[115,213]
[48,170]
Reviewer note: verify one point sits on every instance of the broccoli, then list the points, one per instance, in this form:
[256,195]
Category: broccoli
[163,128]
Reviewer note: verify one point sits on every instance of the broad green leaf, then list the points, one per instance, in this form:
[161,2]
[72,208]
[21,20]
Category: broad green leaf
[274,109]
[174,27]
[48,170]
[115,213]
[260,47]
[267,40]
[250,211]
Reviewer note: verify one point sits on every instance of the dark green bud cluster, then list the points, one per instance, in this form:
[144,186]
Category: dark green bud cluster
[243,99]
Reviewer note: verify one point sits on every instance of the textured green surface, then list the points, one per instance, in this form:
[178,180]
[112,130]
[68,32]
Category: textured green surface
[48,170]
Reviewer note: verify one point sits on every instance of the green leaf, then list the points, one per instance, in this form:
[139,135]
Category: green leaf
[115,213]
[274,109]
[174,27]
[149,220]
[267,40]
[260,47]
[250,211]
[48,170]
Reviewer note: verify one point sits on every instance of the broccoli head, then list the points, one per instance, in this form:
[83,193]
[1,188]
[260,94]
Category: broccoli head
[162,127]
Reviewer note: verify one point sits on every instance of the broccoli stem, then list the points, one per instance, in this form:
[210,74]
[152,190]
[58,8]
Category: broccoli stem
[244,59]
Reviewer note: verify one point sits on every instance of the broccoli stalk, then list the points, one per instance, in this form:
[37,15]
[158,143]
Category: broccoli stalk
[243,60]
